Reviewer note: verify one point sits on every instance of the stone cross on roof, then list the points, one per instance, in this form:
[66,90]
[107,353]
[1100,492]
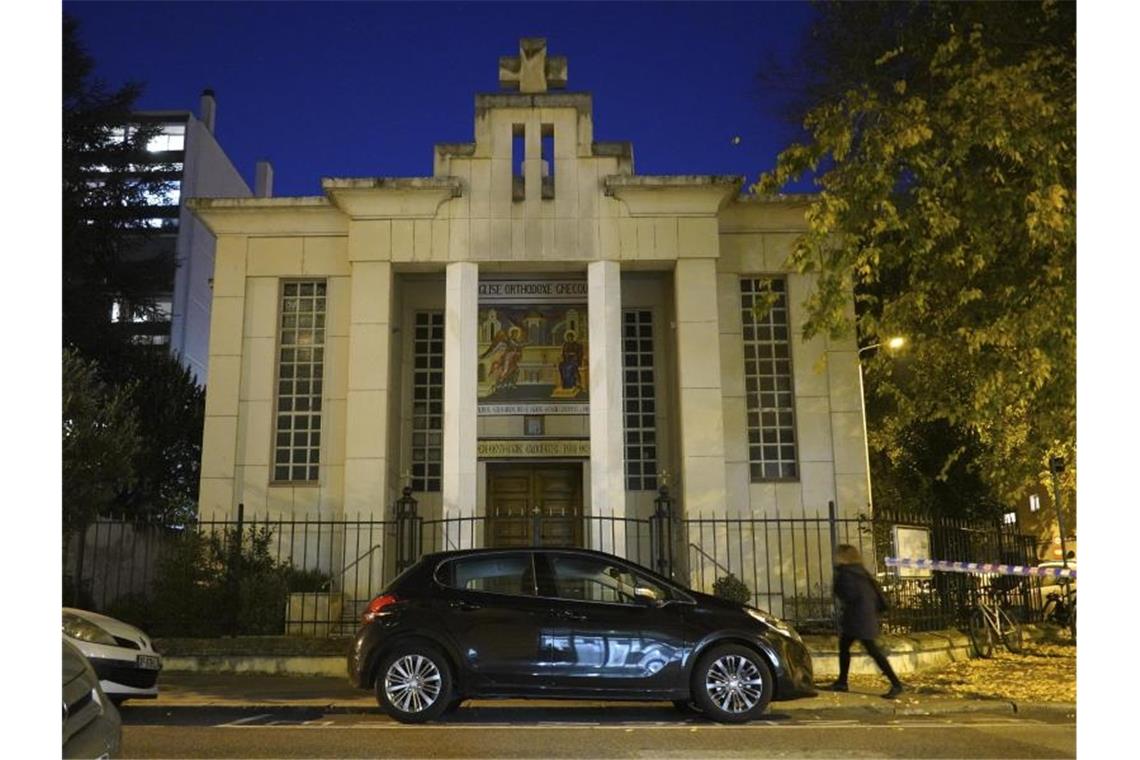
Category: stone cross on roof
[531,70]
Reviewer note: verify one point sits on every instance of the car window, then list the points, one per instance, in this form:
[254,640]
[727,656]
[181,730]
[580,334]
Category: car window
[589,579]
[495,573]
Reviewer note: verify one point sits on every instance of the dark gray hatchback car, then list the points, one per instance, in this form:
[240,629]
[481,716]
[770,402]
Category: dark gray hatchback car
[91,724]
[567,623]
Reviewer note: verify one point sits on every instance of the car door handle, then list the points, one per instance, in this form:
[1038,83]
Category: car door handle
[569,615]
[465,606]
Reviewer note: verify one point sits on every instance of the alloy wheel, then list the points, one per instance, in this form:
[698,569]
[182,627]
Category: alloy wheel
[413,683]
[734,683]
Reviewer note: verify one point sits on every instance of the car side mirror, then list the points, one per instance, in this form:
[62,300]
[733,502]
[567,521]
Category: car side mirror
[647,596]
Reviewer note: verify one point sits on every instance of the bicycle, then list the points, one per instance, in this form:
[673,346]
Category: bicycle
[990,619]
[1061,608]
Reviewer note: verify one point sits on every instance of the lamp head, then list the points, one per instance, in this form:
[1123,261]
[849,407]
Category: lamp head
[896,342]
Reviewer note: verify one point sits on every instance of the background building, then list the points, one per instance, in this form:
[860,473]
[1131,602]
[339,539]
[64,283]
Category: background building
[192,164]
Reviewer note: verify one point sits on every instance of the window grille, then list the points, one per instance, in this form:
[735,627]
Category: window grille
[768,379]
[640,401]
[300,375]
[427,402]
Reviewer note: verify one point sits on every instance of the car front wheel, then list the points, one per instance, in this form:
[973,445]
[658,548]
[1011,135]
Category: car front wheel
[414,683]
[732,684]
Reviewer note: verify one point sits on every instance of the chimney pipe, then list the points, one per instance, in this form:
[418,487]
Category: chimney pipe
[207,110]
[263,182]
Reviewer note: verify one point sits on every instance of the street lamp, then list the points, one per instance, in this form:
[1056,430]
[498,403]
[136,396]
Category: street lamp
[1056,467]
[891,344]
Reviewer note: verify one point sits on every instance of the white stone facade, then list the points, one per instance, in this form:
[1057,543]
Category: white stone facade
[675,248]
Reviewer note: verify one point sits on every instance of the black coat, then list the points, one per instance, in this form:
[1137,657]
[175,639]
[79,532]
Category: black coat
[860,599]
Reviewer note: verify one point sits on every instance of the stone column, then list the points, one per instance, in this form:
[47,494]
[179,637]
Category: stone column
[460,386]
[366,455]
[698,369]
[607,445]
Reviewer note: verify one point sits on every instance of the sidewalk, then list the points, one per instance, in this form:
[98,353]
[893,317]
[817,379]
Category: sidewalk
[181,690]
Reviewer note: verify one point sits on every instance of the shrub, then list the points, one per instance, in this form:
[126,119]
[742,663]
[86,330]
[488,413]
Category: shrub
[306,580]
[733,589]
[135,609]
[211,585]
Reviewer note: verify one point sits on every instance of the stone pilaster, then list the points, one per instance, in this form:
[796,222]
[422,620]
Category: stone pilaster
[460,386]
[699,382]
[607,447]
[366,408]
[219,487]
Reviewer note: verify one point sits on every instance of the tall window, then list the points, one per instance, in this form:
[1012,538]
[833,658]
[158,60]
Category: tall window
[547,162]
[300,374]
[768,379]
[640,401]
[518,172]
[427,401]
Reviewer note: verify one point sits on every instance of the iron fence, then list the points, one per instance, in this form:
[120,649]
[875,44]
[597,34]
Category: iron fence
[313,575]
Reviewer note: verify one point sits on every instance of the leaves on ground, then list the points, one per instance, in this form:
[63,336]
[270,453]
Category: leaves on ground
[1043,672]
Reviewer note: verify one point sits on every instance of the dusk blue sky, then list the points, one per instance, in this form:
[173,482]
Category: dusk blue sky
[365,89]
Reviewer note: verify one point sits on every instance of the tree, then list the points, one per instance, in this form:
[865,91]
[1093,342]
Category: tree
[108,175]
[170,408]
[943,136]
[100,441]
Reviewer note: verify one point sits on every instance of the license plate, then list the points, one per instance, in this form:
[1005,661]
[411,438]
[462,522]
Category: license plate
[149,662]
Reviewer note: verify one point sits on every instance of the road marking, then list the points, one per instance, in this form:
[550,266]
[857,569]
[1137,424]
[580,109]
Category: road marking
[241,721]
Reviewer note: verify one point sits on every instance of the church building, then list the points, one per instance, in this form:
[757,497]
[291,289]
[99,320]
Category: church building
[535,328]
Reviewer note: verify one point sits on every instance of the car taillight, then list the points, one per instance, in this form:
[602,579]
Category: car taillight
[376,605]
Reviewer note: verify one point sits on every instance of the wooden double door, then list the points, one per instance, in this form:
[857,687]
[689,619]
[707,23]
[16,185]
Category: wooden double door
[534,504]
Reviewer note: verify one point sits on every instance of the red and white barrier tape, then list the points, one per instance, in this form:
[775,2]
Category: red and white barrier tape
[982,567]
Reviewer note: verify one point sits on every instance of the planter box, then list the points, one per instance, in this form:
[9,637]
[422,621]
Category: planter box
[313,613]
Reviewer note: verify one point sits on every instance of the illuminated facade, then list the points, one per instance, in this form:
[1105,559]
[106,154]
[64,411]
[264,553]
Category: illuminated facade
[533,327]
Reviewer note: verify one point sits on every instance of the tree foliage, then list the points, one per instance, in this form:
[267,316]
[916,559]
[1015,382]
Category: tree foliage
[170,407]
[943,138]
[100,441]
[108,255]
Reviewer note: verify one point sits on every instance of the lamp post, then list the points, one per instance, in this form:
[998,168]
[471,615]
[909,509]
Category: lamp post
[1056,467]
[407,530]
[663,517]
[892,344]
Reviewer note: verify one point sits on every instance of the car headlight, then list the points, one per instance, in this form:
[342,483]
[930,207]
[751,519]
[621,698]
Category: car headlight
[84,630]
[775,623]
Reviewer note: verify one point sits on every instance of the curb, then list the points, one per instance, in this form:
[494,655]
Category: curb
[823,713]
[777,710]
[1053,708]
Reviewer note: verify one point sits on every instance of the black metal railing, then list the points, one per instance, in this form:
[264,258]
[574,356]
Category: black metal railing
[313,575]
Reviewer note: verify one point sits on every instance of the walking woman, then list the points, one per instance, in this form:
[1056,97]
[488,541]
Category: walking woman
[861,601]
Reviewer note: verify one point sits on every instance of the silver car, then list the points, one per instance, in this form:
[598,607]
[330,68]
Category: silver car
[91,724]
[121,654]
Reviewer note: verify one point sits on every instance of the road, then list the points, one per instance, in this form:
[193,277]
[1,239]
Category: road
[570,732]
